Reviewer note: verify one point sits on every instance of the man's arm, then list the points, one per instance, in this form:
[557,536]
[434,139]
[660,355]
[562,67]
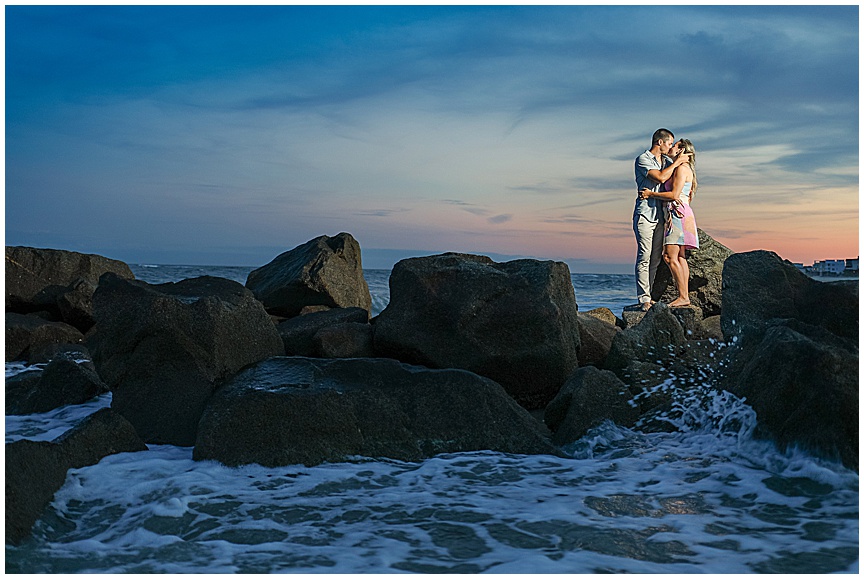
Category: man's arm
[663,175]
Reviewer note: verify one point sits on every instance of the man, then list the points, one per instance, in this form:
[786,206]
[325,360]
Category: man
[648,213]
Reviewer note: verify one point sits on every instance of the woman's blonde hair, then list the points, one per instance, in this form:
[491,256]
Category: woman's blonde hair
[687,147]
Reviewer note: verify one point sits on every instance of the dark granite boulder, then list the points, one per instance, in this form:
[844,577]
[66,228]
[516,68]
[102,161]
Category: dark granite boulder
[325,271]
[349,340]
[641,355]
[588,398]
[595,335]
[759,286]
[163,349]
[604,314]
[61,382]
[36,470]
[76,304]
[298,333]
[514,322]
[705,284]
[29,333]
[36,278]
[802,381]
[294,410]
[711,329]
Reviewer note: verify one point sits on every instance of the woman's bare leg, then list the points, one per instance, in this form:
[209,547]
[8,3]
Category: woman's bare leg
[674,256]
[685,274]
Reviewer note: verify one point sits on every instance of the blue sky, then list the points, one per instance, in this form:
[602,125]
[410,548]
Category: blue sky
[226,135]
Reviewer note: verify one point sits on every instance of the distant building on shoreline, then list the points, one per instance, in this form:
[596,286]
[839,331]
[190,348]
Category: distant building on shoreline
[832,267]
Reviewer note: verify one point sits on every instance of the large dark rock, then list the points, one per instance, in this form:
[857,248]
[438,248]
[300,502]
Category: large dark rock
[29,333]
[76,304]
[759,286]
[642,355]
[163,349]
[37,278]
[802,381]
[325,271]
[61,382]
[596,333]
[308,410]
[514,322]
[658,338]
[705,284]
[350,340]
[588,398]
[298,333]
[36,470]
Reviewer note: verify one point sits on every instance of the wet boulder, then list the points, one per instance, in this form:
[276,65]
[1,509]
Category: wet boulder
[293,410]
[711,329]
[48,352]
[690,319]
[60,383]
[37,278]
[802,381]
[759,286]
[642,355]
[35,470]
[163,349]
[298,333]
[705,285]
[30,333]
[325,271]
[513,322]
[589,397]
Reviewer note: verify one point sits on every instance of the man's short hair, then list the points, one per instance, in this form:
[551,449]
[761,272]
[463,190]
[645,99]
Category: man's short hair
[661,135]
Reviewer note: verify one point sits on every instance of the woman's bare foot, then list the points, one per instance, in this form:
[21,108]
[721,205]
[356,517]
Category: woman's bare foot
[679,303]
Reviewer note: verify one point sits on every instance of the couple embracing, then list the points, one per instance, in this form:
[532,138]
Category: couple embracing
[663,221]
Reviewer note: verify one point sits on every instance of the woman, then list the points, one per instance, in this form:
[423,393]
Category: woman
[680,233]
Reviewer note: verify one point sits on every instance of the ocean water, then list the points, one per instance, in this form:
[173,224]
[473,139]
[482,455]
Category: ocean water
[708,498]
[592,290]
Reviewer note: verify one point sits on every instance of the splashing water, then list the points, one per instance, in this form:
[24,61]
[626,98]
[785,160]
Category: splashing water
[706,498]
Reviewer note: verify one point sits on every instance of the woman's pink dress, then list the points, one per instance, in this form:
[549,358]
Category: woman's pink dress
[680,220]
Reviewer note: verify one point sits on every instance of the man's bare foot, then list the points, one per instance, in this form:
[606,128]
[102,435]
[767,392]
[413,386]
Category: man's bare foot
[679,303]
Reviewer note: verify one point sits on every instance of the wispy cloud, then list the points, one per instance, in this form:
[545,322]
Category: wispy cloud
[380,212]
[498,219]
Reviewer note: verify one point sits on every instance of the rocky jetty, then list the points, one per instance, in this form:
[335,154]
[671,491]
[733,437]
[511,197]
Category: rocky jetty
[302,410]
[163,349]
[513,322]
[325,271]
[455,362]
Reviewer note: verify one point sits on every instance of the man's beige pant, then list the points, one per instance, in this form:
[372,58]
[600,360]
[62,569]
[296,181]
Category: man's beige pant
[649,242]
